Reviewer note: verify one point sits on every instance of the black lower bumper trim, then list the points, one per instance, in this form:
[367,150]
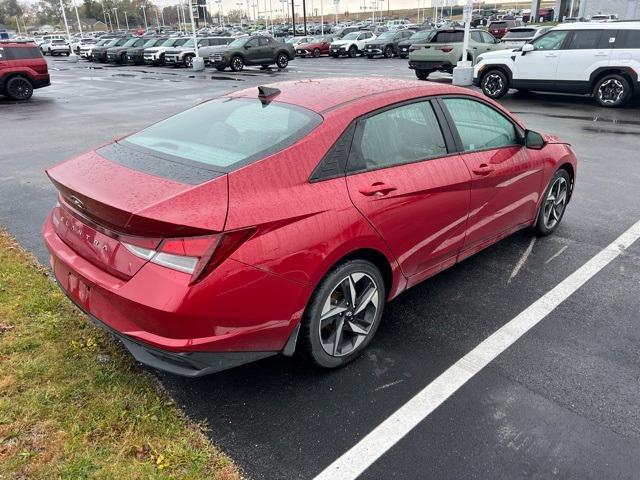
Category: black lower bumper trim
[186,364]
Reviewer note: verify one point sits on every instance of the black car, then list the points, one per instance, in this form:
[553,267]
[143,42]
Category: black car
[386,44]
[118,53]
[136,54]
[256,50]
[419,37]
[99,54]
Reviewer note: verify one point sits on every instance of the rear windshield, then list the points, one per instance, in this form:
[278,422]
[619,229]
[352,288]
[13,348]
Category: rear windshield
[448,37]
[514,34]
[498,25]
[225,133]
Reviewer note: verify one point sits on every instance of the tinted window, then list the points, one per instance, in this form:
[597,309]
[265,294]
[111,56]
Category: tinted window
[498,25]
[475,36]
[488,38]
[264,41]
[551,41]
[519,34]
[254,42]
[21,53]
[225,133]
[584,39]
[401,135]
[480,126]
[628,39]
[448,37]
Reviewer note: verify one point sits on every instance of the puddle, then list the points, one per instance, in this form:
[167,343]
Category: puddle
[123,75]
[585,118]
[218,77]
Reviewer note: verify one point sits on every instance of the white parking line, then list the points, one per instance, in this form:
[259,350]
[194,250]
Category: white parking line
[356,460]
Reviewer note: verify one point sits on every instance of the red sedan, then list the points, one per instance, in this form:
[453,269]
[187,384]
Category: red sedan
[318,46]
[277,219]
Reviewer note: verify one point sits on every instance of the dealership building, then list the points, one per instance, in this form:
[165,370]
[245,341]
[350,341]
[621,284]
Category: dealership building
[624,9]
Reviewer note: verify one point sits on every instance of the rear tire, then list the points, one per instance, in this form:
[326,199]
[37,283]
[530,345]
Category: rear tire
[612,91]
[333,340]
[423,74]
[554,204]
[495,84]
[18,88]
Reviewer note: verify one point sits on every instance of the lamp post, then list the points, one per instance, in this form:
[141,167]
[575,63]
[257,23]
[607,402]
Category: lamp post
[115,12]
[73,58]
[321,18]
[110,21]
[463,71]
[197,63]
[157,18]
[77,18]
[144,14]
[239,5]
[126,20]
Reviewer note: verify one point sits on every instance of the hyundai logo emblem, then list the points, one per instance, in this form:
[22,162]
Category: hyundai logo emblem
[77,202]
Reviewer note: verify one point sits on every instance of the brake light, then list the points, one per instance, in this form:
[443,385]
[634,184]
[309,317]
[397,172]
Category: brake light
[197,256]
[447,49]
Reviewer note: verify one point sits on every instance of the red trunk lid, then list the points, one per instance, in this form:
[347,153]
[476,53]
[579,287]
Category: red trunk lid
[104,203]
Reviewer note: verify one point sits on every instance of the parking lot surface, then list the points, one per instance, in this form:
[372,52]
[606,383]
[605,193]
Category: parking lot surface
[563,401]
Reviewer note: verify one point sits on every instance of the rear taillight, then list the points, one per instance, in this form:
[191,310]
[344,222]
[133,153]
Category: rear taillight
[197,256]
[447,48]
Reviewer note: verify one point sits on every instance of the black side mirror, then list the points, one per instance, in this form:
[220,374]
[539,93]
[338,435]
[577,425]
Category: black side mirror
[533,140]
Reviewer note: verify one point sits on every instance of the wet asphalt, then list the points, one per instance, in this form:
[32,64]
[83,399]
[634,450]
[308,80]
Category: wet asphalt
[563,401]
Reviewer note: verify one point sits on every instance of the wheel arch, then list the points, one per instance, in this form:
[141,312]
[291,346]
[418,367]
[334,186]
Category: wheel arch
[503,68]
[5,79]
[568,167]
[626,72]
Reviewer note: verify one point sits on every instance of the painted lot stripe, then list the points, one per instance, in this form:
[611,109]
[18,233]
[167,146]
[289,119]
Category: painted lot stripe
[393,429]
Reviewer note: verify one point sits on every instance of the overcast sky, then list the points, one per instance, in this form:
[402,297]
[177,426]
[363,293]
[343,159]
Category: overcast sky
[353,6]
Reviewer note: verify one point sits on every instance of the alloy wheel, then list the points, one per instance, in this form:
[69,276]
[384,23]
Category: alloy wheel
[493,84]
[19,88]
[348,314]
[282,61]
[237,64]
[555,203]
[611,91]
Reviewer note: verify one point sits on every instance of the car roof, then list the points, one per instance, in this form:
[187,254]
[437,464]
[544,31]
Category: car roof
[635,25]
[344,91]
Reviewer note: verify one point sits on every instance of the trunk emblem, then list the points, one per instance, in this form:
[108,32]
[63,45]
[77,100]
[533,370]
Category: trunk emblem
[77,202]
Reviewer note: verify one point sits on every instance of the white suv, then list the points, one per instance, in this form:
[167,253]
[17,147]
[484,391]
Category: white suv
[351,44]
[601,59]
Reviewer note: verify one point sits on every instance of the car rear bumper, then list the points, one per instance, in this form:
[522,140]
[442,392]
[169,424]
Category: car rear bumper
[188,330]
[42,80]
[430,65]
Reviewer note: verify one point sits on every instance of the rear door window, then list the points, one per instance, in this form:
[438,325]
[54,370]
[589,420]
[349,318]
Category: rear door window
[400,135]
[584,40]
[476,37]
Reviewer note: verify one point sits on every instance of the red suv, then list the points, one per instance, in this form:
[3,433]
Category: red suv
[499,28]
[22,69]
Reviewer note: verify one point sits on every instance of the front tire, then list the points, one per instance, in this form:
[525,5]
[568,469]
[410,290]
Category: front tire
[188,61]
[316,52]
[552,208]
[495,84]
[612,91]
[353,51]
[343,314]
[237,64]
[18,88]
[282,60]
[388,52]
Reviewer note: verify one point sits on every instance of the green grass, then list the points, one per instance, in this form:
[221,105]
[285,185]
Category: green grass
[73,405]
